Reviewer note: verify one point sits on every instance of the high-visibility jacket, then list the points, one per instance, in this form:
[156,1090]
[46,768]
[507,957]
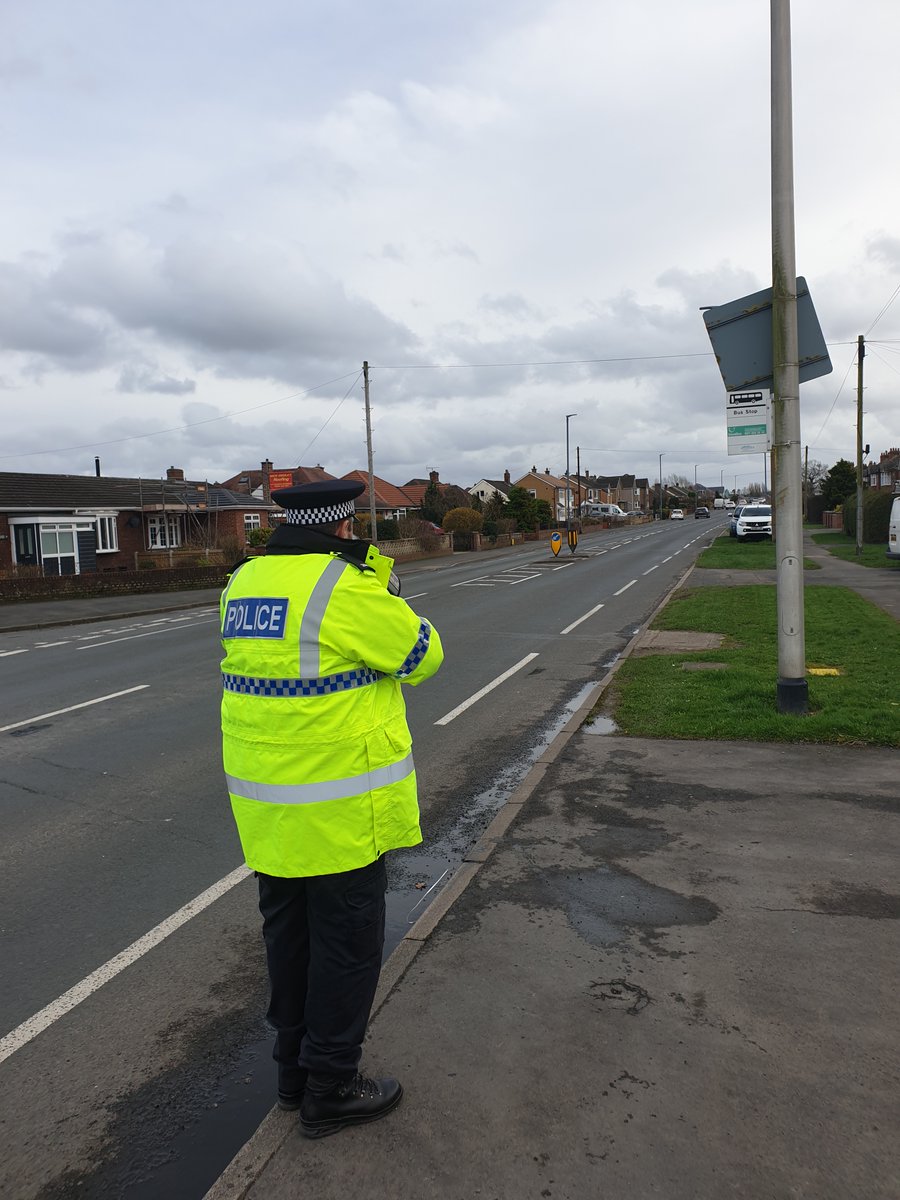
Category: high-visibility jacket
[316,748]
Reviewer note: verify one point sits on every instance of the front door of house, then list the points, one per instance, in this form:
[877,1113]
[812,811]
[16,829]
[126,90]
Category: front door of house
[25,542]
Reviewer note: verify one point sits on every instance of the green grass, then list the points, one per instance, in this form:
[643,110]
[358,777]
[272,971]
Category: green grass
[842,546]
[728,554]
[651,696]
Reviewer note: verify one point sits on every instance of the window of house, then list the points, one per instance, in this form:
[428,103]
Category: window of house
[251,521]
[107,535]
[58,549]
[163,532]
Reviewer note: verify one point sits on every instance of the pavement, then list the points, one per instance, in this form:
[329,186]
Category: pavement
[667,969]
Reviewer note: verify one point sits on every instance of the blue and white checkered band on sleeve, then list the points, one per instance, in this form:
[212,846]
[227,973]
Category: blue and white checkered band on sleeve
[320,516]
[418,652]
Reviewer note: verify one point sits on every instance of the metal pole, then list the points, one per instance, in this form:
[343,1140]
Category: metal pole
[568,485]
[860,355]
[792,690]
[373,523]
[660,485]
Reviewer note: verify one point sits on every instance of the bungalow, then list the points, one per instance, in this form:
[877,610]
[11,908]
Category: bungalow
[70,524]
[485,488]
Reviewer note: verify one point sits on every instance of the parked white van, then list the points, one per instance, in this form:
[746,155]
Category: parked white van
[590,509]
[893,546]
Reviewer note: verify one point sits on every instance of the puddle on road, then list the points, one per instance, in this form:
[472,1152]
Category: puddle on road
[600,725]
[193,1159]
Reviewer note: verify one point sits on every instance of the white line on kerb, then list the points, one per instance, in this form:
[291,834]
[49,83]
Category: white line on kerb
[569,628]
[72,707]
[30,1029]
[489,687]
[625,588]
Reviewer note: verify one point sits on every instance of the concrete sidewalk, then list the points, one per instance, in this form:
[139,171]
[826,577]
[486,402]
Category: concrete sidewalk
[667,969]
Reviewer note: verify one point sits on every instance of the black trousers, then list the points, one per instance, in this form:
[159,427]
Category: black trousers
[324,936]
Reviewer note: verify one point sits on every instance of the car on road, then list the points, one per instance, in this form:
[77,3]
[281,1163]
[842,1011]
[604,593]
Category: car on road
[635,512]
[702,511]
[676,515]
[732,528]
[754,522]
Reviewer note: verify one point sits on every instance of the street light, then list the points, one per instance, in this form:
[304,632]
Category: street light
[659,514]
[569,416]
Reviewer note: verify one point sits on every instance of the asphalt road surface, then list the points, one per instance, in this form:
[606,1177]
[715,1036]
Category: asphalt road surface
[134,1057]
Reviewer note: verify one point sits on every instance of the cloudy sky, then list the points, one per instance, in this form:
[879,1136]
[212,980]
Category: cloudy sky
[214,210]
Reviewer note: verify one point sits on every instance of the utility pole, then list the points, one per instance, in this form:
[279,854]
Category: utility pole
[792,689]
[860,355]
[805,484]
[373,523]
[578,477]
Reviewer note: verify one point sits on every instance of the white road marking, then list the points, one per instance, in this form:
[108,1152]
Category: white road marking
[72,707]
[416,596]
[669,559]
[647,572]
[28,1030]
[10,653]
[625,588]
[563,566]
[133,636]
[47,645]
[489,687]
[569,628]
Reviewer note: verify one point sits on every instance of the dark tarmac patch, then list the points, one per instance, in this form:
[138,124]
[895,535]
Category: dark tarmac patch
[851,900]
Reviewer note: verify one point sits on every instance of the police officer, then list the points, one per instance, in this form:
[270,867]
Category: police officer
[318,759]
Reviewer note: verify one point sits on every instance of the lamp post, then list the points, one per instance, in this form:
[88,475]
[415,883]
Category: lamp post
[569,416]
[660,485]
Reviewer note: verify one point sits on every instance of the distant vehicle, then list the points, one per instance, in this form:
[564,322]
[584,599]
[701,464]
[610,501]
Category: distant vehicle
[729,504]
[676,515]
[635,512]
[754,522]
[612,511]
[702,511]
[732,528]
[893,548]
[719,502]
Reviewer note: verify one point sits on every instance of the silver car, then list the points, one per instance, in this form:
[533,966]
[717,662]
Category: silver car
[755,521]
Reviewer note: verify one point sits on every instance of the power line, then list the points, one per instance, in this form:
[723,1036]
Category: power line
[565,362]
[136,437]
[303,452]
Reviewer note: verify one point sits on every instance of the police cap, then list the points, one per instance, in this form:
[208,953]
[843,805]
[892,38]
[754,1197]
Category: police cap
[319,503]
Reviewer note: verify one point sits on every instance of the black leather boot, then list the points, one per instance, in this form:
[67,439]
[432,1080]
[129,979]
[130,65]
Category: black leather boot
[348,1102]
[291,1087]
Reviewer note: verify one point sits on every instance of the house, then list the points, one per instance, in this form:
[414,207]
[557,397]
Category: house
[70,524]
[485,488]
[885,474]
[627,491]
[390,501]
[559,494]
[261,483]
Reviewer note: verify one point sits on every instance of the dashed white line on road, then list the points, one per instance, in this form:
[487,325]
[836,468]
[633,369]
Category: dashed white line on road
[653,568]
[569,628]
[669,559]
[416,596]
[47,645]
[10,653]
[489,687]
[625,588]
[28,1030]
[133,636]
[562,566]
[72,707]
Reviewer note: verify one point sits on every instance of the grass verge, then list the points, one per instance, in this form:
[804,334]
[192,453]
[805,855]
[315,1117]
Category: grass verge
[842,546]
[652,696]
[728,554]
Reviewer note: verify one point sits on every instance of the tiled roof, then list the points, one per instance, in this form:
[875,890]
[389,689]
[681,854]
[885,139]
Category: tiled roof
[21,492]
[249,481]
[386,495]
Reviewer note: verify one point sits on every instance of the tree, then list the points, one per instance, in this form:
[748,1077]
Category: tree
[839,483]
[815,475]
[432,504]
[494,507]
[463,520]
[522,507]
[544,513]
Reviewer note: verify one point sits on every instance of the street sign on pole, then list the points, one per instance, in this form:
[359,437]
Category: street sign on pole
[747,417]
[741,336]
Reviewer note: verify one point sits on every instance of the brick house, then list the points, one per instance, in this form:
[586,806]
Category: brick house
[559,494]
[70,524]
[884,475]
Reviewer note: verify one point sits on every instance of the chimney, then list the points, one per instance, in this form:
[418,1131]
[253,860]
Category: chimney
[175,475]
[266,466]
[506,478]
[546,470]
[434,477]
[97,467]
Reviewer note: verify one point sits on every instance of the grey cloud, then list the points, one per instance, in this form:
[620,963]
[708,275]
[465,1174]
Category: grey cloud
[33,320]
[511,305]
[144,379]
[18,68]
[886,249]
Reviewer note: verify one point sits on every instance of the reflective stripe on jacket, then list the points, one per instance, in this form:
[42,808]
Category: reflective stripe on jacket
[316,748]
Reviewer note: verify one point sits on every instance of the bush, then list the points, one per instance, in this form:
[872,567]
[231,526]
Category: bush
[876,516]
[258,537]
[463,520]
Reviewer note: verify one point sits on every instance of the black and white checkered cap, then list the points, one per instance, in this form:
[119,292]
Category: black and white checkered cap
[319,503]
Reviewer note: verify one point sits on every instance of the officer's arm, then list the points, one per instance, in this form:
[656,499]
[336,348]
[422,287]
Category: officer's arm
[387,635]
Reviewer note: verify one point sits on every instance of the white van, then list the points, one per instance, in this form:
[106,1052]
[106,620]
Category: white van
[893,546]
[590,509]
[719,502]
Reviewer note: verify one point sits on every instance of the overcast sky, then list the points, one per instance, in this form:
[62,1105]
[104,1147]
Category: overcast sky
[214,210]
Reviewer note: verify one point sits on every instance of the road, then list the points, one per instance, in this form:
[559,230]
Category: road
[134,1060]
